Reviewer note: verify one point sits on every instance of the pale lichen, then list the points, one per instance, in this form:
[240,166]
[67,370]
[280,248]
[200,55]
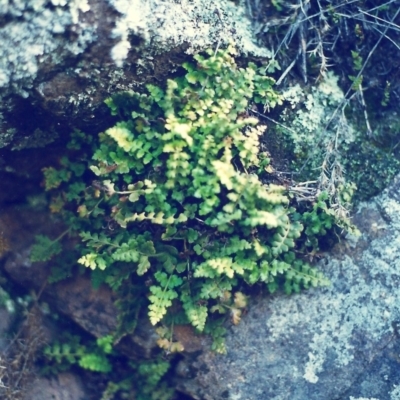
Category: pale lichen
[196,24]
[32,36]
[363,300]
[395,393]
[308,116]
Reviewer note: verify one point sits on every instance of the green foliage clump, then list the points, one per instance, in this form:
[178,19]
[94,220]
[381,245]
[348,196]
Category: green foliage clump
[373,164]
[179,200]
[45,249]
[149,378]
[143,381]
[61,355]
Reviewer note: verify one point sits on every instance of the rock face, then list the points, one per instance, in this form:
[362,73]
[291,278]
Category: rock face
[93,310]
[61,59]
[342,342]
[61,387]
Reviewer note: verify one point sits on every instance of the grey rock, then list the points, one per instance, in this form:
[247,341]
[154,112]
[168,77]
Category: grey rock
[64,386]
[66,57]
[39,36]
[341,342]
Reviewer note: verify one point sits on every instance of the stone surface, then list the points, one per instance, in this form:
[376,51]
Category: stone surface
[64,386]
[38,36]
[61,59]
[94,310]
[341,342]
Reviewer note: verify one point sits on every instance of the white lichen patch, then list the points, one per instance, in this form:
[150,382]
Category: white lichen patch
[362,398]
[395,393]
[195,23]
[329,86]
[313,366]
[362,302]
[392,207]
[314,111]
[36,34]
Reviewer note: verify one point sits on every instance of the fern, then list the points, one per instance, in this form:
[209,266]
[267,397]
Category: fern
[178,203]
[71,351]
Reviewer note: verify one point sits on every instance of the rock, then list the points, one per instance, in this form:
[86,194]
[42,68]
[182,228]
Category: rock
[94,310]
[19,375]
[65,57]
[341,342]
[64,386]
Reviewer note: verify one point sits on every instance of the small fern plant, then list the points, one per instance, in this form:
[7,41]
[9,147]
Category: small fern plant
[173,198]
[60,356]
[148,378]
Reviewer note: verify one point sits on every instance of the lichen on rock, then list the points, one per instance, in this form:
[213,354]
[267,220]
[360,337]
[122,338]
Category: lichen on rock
[198,24]
[33,36]
[335,341]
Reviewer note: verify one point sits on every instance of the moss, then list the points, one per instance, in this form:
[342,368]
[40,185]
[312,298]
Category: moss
[319,129]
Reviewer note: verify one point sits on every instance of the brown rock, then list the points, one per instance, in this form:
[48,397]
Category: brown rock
[94,310]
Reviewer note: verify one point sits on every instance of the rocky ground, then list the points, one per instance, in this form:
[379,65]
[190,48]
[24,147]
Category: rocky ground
[60,60]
